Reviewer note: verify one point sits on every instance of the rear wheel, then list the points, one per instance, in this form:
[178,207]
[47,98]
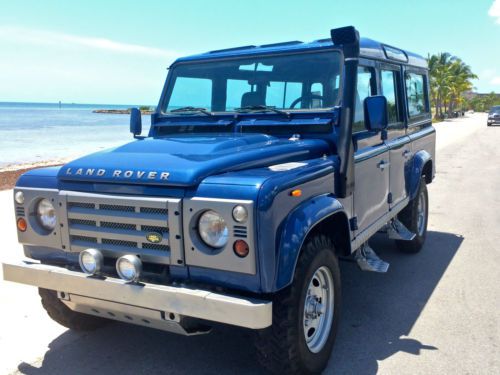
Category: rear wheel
[305,314]
[66,317]
[414,217]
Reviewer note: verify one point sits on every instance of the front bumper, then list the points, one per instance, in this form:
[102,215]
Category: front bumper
[143,299]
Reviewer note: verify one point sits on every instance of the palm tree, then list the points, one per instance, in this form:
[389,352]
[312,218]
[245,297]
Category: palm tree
[449,78]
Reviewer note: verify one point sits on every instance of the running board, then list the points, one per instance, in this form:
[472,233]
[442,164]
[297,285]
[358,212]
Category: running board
[368,260]
[396,230]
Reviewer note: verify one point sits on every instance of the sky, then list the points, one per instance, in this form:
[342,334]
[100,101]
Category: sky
[118,52]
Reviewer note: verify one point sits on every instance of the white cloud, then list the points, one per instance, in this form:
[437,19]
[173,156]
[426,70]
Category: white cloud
[490,75]
[495,10]
[43,37]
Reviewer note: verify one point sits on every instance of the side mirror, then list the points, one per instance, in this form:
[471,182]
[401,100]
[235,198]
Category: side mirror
[376,112]
[135,122]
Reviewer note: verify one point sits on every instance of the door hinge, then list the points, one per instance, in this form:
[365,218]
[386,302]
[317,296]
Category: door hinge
[389,198]
[353,223]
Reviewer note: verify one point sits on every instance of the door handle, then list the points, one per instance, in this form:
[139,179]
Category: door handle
[383,164]
[407,154]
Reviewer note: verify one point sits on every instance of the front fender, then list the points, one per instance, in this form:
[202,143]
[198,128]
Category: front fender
[295,229]
[419,161]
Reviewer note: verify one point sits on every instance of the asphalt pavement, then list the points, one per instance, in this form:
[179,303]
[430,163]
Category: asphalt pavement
[436,312]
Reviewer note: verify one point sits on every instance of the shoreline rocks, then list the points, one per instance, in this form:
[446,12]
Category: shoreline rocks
[120,111]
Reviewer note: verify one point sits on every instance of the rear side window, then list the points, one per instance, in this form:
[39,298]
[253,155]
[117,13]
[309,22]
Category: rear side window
[364,89]
[415,92]
[235,90]
[283,94]
[389,82]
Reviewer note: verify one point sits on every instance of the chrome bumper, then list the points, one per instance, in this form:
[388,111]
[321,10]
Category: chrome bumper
[167,300]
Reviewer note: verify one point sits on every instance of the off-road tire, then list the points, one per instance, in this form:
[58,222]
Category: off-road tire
[409,217]
[66,317]
[282,348]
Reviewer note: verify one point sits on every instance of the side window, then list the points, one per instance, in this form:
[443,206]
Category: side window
[196,92]
[415,92]
[317,90]
[275,94]
[389,83]
[282,94]
[366,79]
[235,90]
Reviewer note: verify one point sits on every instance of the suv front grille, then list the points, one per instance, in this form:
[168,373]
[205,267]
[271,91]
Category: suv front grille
[120,225]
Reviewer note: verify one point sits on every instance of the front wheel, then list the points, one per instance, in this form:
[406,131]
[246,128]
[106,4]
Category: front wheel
[305,314]
[415,217]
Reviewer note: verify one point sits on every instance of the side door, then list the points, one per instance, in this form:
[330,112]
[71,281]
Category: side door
[397,141]
[371,157]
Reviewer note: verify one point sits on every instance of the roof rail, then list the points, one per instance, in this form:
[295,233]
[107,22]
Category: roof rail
[322,40]
[232,49]
[281,44]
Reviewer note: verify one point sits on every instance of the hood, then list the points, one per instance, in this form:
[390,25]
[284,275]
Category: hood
[186,160]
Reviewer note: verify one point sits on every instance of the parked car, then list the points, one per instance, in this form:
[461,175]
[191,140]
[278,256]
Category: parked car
[263,166]
[494,116]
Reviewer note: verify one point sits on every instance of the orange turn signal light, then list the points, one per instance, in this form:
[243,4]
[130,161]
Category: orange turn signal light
[241,249]
[296,193]
[22,225]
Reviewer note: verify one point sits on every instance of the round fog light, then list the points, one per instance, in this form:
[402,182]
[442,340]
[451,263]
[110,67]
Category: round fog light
[19,197]
[240,214]
[91,261]
[129,268]
[241,249]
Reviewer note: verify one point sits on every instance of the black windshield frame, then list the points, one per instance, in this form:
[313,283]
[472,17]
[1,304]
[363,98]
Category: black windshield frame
[332,57]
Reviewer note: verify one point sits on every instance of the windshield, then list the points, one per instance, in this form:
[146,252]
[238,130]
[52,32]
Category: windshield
[495,110]
[292,82]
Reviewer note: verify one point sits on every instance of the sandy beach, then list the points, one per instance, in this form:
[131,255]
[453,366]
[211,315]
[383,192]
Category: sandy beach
[10,173]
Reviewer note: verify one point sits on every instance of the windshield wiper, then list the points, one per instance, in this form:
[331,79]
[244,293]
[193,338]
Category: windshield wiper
[261,108]
[192,109]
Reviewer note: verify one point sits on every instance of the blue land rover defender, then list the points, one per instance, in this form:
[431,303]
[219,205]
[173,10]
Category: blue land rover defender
[263,166]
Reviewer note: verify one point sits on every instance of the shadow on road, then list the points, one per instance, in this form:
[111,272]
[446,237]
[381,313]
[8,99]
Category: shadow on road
[378,312]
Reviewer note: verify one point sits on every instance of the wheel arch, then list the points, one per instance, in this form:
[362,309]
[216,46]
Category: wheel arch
[422,166]
[427,171]
[323,214]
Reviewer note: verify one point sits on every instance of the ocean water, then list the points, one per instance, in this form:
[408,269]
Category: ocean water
[36,132]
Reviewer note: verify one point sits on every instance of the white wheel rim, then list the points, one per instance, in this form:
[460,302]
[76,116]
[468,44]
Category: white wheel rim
[421,210]
[318,309]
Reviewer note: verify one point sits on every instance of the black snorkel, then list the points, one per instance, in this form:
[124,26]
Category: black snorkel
[348,39]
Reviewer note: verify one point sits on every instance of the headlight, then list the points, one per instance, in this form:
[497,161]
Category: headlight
[213,229]
[46,214]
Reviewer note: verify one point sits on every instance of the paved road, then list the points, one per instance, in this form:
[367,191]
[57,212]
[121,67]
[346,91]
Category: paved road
[435,312]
